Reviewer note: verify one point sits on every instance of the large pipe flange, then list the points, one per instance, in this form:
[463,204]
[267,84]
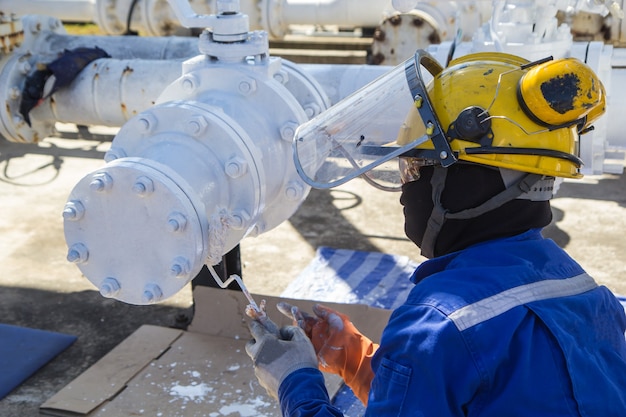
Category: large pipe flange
[114,216]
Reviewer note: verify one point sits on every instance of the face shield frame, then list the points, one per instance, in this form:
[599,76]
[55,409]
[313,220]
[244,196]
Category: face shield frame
[442,152]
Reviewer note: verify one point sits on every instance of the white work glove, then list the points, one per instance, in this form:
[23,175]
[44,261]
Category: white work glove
[276,356]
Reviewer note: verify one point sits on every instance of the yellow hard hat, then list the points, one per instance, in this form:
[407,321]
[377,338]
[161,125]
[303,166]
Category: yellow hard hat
[501,110]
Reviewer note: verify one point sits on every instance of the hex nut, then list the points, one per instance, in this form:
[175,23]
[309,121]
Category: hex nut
[110,287]
[176,222]
[101,182]
[78,253]
[152,293]
[143,186]
[235,167]
[74,210]
[196,126]
[180,268]
[114,153]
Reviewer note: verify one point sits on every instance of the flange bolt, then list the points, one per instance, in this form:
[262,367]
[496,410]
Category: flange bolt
[110,287]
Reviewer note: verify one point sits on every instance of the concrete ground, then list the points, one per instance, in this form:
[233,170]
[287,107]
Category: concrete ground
[40,289]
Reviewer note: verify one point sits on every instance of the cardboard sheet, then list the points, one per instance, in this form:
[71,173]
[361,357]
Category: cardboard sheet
[204,371]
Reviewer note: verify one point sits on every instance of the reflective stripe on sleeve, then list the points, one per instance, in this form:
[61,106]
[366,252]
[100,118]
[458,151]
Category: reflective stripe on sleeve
[495,305]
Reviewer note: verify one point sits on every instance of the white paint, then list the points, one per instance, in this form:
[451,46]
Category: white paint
[195,392]
[194,374]
[248,409]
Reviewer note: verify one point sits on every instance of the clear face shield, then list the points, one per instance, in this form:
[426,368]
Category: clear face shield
[357,136]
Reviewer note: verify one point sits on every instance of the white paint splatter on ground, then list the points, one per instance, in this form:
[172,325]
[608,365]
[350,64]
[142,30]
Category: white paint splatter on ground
[245,409]
[194,392]
[198,390]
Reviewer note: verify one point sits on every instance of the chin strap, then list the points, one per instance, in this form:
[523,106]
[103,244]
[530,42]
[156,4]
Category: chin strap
[439,215]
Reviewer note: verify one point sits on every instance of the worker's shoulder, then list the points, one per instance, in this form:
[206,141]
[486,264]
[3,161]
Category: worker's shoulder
[485,271]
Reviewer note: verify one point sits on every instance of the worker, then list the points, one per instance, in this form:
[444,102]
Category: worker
[501,321]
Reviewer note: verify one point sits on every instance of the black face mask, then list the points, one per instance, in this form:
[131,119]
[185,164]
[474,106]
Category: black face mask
[418,204]
[468,186]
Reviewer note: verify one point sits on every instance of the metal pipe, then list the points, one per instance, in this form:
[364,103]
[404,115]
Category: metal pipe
[333,12]
[121,47]
[65,10]
[110,92]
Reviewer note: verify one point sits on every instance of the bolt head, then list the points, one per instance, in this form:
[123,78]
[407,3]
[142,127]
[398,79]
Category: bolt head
[152,293]
[281,77]
[78,253]
[73,211]
[180,268]
[239,219]
[235,167]
[110,287]
[147,122]
[176,222]
[294,191]
[312,110]
[247,86]
[101,182]
[196,126]
[114,153]
[258,229]
[189,83]
[97,185]
[288,131]
[144,186]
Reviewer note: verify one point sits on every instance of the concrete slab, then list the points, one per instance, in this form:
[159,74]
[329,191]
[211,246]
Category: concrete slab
[40,289]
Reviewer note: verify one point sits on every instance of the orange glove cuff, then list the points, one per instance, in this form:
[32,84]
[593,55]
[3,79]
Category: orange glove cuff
[348,354]
[359,379]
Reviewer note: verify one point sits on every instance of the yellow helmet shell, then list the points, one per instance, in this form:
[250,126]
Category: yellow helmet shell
[504,88]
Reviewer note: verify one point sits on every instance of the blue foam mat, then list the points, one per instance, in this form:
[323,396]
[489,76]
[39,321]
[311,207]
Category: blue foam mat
[24,350]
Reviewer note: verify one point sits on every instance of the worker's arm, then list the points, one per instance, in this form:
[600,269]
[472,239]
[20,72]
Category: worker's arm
[341,349]
[304,394]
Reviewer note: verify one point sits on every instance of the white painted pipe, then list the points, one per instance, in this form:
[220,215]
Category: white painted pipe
[110,92]
[122,47]
[617,101]
[333,12]
[65,10]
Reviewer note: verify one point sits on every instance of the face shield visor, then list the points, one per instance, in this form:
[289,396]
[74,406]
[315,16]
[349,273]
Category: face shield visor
[357,136]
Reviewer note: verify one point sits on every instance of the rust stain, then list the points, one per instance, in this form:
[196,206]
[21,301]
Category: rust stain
[395,20]
[434,38]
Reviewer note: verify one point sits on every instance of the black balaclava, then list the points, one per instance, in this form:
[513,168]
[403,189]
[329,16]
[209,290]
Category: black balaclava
[467,186]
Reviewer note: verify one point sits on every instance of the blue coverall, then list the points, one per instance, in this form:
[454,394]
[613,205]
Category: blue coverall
[509,327]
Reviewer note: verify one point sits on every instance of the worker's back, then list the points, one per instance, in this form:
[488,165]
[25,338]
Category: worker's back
[509,327]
